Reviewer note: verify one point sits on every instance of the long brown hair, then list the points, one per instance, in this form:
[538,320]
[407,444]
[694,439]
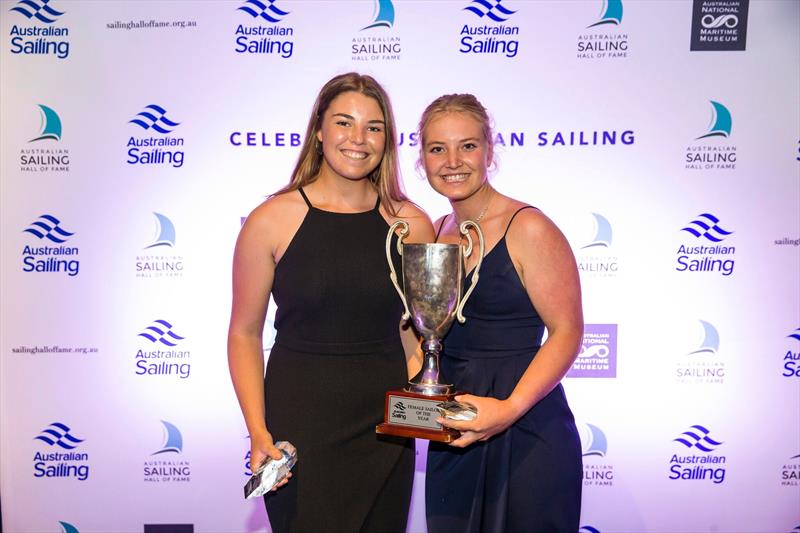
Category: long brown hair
[386,176]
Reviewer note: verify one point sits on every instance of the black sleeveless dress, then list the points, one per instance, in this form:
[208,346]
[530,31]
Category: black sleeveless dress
[336,353]
[527,478]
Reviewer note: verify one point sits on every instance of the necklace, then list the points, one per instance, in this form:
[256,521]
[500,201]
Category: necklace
[482,213]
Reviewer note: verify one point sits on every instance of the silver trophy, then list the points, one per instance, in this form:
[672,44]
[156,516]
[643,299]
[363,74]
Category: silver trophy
[433,276]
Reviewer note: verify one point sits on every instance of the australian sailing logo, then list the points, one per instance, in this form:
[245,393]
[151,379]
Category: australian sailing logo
[602,39]
[715,257]
[158,258]
[166,358]
[64,461]
[162,149]
[262,39]
[45,153]
[493,36]
[54,256]
[377,41]
[719,155]
[707,466]
[34,39]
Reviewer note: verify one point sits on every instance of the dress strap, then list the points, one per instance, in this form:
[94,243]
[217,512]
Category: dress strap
[303,194]
[441,225]
[514,216]
[377,203]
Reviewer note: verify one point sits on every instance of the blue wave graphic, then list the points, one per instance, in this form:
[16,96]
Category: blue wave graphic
[697,437]
[610,14]
[173,441]
[384,15]
[596,443]
[47,227]
[721,121]
[155,118]
[57,434]
[66,527]
[162,331]
[256,9]
[51,125]
[166,232]
[41,10]
[588,529]
[602,235]
[710,342]
[708,228]
[492,9]
[795,335]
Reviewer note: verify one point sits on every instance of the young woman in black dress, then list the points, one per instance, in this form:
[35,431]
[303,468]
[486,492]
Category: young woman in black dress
[517,465]
[317,246]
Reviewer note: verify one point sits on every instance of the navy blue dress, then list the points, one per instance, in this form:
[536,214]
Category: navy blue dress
[527,478]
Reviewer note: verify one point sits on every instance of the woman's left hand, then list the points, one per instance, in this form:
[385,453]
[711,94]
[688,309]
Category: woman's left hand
[494,416]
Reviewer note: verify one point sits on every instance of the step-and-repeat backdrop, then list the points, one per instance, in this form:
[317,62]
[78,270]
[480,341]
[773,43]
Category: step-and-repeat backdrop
[662,137]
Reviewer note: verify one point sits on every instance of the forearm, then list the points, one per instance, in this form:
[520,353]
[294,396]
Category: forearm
[246,366]
[412,349]
[550,365]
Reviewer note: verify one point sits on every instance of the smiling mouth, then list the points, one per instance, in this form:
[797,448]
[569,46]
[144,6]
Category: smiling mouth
[350,154]
[455,178]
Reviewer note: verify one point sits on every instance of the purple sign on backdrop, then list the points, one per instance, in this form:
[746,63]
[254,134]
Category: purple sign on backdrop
[598,355]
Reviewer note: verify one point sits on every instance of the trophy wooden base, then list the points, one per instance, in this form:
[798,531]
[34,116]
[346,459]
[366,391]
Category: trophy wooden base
[410,414]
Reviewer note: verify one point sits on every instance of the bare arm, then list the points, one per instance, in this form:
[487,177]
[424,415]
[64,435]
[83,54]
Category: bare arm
[548,271]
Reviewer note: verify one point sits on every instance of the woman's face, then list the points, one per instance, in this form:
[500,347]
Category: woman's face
[353,136]
[455,154]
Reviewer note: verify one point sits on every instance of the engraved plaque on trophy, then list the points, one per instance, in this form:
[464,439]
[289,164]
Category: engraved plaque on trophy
[432,283]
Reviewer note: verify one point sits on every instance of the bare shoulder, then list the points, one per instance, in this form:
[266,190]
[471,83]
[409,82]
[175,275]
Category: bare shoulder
[531,226]
[421,228]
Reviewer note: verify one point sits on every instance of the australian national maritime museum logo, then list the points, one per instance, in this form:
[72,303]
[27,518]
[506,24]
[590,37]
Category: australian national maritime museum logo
[263,32]
[45,152]
[719,25]
[42,33]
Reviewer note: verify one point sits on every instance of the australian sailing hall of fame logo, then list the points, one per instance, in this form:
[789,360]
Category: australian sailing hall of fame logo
[706,466]
[167,354]
[55,255]
[713,151]
[43,34]
[495,35]
[702,365]
[45,153]
[377,41]
[596,258]
[711,255]
[63,458]
[167,464]
[264,34]
[158,260]
[603,39]
[597,471]
[160,149]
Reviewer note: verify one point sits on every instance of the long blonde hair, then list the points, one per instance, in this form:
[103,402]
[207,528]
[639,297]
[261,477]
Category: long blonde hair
[386,176]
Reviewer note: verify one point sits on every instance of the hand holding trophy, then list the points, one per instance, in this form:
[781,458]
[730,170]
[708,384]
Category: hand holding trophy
[433,276]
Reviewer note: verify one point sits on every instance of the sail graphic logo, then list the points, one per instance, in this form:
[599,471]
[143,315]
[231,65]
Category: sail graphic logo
[166,357]
[66,527]
[42,35]
[158,259]
[597,471]
[588,529]
[701,364]
[492,36]
[373,43]
[598,354]
[716,258]
[707,466]
[167,464]
[601,40]
[719,25]
[61,460]
[791,360]
[790,473]
[57,258]
[47,156]
[715,155]
[596,257]
[265,35]
[161,149]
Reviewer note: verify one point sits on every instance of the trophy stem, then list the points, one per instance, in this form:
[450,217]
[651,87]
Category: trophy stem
[426,382]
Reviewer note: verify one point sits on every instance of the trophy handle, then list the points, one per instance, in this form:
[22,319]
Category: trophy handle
[464,229]
[403,225]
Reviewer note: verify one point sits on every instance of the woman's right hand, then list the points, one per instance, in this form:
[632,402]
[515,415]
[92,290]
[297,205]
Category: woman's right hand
[261,447]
